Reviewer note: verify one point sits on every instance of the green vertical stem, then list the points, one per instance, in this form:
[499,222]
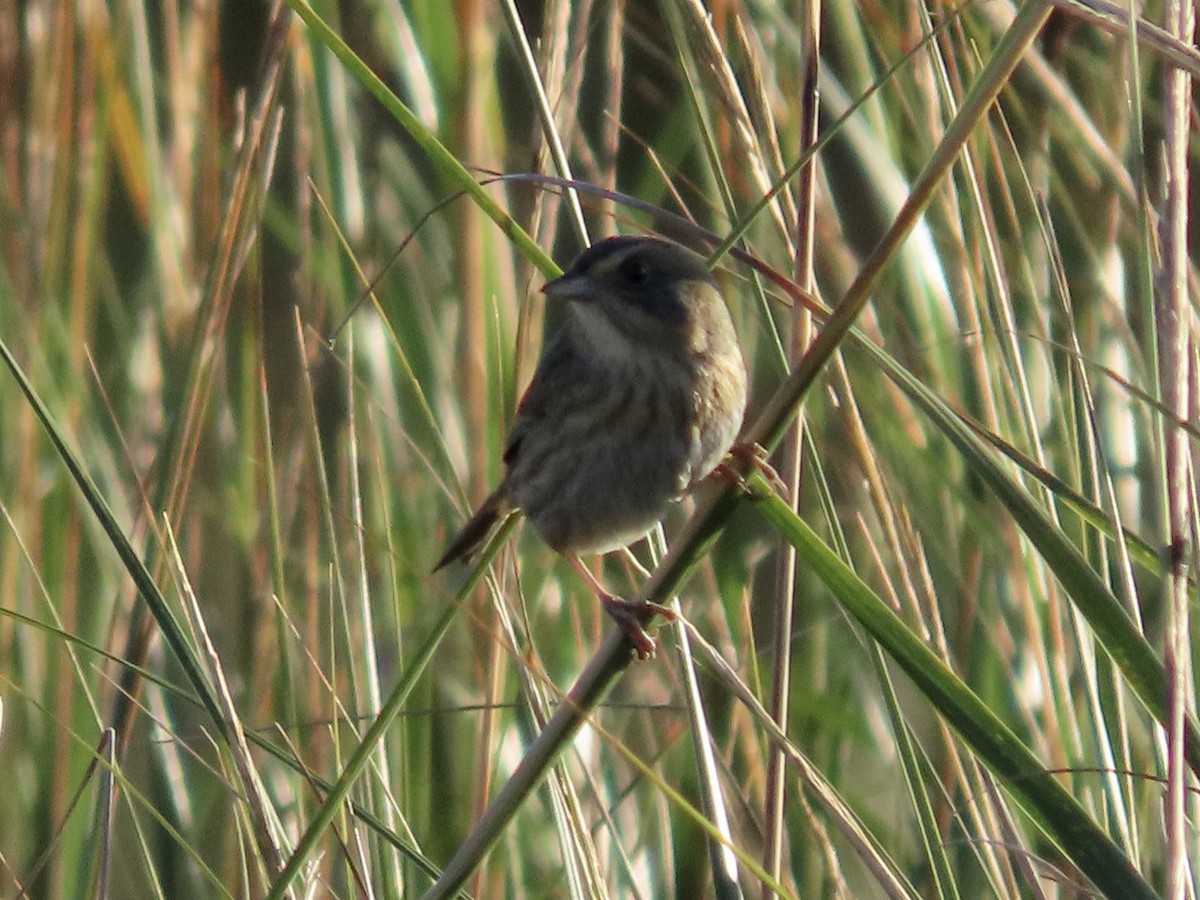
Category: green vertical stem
[1172,318]
[790,454]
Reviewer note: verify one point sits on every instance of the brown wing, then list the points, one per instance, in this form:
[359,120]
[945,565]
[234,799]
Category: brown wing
[560,372]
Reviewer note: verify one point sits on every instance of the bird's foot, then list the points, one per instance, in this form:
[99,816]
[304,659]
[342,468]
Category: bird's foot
[749,454]
[631,617]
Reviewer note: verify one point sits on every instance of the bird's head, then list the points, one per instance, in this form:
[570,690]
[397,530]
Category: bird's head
[648,290]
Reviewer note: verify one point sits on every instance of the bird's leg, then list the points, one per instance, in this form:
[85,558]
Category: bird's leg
[630,615]
[752,454]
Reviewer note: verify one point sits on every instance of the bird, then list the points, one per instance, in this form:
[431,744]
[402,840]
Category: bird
[636,399]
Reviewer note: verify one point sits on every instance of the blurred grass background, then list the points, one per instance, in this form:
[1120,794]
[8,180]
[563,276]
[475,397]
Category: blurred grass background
[194,195]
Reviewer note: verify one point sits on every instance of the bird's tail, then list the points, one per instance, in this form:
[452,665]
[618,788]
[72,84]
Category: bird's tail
[478,527]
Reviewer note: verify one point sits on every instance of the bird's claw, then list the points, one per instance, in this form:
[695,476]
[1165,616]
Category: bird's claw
[631,617]
[749,454]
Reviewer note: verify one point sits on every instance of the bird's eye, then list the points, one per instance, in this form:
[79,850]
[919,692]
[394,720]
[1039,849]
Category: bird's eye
[635,271]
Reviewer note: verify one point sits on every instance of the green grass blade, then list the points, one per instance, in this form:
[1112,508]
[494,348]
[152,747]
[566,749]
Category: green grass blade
[1060,815]
[172,631]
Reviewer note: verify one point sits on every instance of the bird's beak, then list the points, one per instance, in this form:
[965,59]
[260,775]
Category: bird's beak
[568,287]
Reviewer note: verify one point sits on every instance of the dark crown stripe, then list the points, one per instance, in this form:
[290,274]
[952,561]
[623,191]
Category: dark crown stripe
[604,250]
